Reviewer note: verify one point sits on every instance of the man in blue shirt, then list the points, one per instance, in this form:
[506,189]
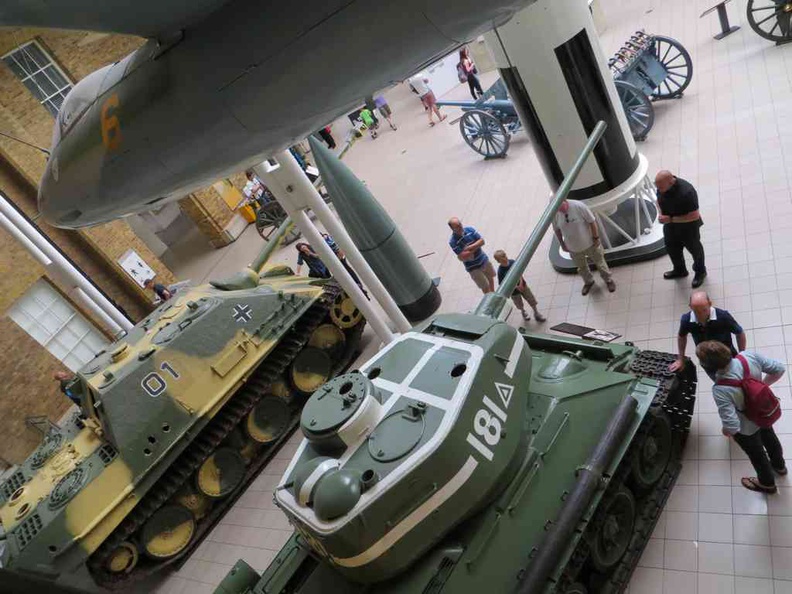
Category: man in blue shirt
[705,322]
[467,243]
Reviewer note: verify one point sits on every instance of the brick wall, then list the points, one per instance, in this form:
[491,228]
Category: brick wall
[28,390]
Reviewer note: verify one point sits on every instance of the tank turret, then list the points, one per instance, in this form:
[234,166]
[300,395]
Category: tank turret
[470,456]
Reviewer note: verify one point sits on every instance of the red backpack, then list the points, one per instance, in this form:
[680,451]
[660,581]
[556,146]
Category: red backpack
[761,405]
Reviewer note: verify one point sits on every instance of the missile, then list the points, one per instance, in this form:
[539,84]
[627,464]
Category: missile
[376,236]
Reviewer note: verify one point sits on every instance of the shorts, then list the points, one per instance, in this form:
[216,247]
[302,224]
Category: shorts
[482,275]
[429,100]
[385,110]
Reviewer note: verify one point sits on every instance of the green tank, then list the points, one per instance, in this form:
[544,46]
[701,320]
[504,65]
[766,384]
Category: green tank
[176,418]
[470,457]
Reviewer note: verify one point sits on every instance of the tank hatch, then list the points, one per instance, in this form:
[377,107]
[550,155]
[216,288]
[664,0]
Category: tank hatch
[398,453]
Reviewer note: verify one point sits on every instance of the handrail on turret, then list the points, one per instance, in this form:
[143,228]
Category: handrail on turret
[492,304]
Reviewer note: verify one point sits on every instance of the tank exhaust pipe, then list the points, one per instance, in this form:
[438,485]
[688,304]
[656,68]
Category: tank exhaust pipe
[492,304]
[589,482]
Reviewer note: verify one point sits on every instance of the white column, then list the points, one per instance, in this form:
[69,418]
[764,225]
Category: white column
[44,250]
[290,186]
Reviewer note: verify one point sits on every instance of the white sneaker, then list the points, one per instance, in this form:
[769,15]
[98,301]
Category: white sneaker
[526,316]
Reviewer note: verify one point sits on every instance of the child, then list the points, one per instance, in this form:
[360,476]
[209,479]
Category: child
[522,290]
[368,119]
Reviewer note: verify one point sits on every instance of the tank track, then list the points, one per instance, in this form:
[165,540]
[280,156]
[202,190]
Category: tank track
[211,436]
[676,397]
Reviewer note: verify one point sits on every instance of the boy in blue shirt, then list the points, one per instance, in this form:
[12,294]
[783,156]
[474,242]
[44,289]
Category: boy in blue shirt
[522,291]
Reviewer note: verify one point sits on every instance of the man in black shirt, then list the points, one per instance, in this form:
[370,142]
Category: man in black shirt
[705,322]
[679,214]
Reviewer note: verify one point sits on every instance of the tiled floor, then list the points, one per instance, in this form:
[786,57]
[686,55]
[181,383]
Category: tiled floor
[730,136]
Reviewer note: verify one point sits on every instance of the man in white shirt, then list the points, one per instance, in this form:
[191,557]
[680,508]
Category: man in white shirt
[576,229]
[420,83]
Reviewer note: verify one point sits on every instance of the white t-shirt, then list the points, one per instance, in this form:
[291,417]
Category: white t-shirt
[574,226]
[419,85]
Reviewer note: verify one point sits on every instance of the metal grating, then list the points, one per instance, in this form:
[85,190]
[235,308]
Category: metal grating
[28,530]
[67,487]
[13,483]
[435,585]
[107,453]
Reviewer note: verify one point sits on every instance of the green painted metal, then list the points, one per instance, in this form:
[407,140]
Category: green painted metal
[475,458]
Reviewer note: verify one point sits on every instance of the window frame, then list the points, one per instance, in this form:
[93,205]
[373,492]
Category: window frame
[30,75]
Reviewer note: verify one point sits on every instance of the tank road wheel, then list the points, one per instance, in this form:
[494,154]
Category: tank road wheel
[614,529]
[771,19]
[330,338]
[637,108]
[168,532]
[484,133]
[123,558]
[678,65]
[196,502]
[344,313]
[649,461]
[268,420]
[310,369]
[576,588]
[221,473]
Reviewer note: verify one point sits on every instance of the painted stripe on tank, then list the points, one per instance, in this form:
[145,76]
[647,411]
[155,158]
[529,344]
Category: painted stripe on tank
[514,355]
[415,518]
[420,395]
[313,478]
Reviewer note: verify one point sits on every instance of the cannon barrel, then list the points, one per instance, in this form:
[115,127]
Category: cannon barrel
[500,104]
[492,304]
[272,245]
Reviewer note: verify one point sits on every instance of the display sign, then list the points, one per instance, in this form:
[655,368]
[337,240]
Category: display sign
[136,267]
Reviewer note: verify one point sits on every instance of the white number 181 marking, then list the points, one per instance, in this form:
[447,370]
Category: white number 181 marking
[487,425]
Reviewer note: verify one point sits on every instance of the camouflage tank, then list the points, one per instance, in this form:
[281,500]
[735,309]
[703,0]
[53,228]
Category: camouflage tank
[469,457]
[176,418]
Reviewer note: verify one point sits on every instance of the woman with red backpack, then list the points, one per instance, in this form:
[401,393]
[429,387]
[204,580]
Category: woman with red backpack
[748,408]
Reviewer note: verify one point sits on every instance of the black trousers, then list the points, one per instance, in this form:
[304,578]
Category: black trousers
[354,276]
[681,236]
[764,451]
[475,85]
[328,138]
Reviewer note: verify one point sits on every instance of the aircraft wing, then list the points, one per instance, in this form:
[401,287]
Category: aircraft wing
[146,18]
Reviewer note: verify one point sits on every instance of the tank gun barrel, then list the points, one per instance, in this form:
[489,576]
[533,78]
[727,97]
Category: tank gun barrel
[492,304]
[273,244]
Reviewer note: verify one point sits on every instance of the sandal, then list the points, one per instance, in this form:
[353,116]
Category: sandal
[431,124]
[780,471]
[443,118]
[753,484]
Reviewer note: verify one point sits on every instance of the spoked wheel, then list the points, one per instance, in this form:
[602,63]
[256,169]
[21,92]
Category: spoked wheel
[168,532]
[649,461]
[771,19]
[637,108]
[678,66]
[268,420]
[484,133]
[614,529]
[269,217]
[221,473]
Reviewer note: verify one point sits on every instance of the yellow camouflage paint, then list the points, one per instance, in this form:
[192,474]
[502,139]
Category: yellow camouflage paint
[59,465]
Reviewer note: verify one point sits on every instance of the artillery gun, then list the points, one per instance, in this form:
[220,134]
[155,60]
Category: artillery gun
[176,418]
[468,456]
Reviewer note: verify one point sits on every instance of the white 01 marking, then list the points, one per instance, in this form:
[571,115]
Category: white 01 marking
[154,384]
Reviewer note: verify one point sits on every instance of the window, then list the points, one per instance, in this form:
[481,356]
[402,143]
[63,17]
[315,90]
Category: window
[39,73]
[53,322]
